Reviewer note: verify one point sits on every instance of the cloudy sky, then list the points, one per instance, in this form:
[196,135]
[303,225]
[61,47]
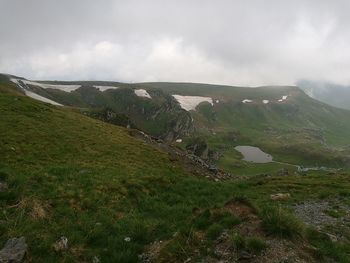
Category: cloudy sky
[238,42]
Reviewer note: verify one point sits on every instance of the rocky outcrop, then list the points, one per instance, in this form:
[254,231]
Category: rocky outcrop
[191,162]
[110,116]
[198,146]
[179,127]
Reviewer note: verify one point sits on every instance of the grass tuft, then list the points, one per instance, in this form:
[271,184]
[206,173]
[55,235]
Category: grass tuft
[280,222]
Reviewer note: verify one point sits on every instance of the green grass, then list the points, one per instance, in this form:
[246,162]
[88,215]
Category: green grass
[96,184]
[214,231]
[278,221]
[254,245]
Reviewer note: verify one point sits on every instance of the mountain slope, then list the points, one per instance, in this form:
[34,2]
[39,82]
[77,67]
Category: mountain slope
[282,120]
[158,115]
[90,181]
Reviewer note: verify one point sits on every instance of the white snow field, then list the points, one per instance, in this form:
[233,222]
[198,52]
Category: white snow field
[247,101]
[66,88]
[41,98]
[191,102]
[34,95]
[63,87]
[266,101]
[142,93]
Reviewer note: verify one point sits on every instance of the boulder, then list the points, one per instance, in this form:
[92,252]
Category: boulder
[14,250]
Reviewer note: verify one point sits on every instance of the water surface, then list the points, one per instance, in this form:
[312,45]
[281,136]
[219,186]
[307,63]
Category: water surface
[254,154]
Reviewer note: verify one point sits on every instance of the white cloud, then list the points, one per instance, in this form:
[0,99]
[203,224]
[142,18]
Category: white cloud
[243,42]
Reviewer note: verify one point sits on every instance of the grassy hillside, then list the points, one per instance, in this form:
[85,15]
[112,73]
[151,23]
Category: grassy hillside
[112,196]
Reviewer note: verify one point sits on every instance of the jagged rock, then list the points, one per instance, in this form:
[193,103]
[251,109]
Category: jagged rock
[213,169]
[61,244]
[214,155]
[198,147]
[280,197]
[14,250]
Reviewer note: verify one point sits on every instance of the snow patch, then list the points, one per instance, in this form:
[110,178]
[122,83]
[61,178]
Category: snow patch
[104,88]
[191,102]
[178,140]
[66,88]
[266,101]
[283,98]
[40,98]
[217,101]
[62,87]
[142,93]
[34,95]
[247,101]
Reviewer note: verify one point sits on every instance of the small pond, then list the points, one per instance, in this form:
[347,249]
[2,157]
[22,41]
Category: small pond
[254,154]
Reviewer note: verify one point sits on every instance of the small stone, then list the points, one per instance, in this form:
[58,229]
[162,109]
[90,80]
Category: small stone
[280,197]
[95,259]
[14,250]
[61,244]
[127,239]
[333,238]
[245,255]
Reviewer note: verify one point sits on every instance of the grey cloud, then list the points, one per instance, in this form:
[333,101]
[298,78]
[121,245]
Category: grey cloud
[238,42]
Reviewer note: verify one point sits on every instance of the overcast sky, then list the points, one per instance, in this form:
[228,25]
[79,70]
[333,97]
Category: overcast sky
[237,42]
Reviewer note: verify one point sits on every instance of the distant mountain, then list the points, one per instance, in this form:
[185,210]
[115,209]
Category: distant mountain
[333,94]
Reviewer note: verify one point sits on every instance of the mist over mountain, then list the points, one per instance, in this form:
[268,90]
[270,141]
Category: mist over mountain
[330,93]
